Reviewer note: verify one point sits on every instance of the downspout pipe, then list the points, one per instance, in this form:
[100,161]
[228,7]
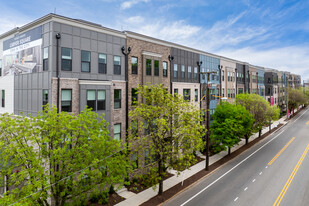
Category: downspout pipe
[170,59]
[58,37]
[126,53]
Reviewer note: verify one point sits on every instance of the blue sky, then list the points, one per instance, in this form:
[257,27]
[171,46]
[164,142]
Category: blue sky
[269,33]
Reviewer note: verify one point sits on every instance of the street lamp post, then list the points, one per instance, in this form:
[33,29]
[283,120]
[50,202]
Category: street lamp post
[207,117]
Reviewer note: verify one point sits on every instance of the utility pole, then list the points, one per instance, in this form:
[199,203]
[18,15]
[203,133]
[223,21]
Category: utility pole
[207,115]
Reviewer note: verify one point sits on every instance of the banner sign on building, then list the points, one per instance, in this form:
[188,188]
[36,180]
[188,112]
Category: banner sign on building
[23,53]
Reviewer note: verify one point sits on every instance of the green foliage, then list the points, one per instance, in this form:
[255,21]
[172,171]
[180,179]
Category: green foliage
[259,108]
[59,155]
[230,123]
[297,97]
[168,126]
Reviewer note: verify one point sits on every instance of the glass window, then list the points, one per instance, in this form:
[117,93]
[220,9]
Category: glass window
[182,71]
[189,72]
[45,59]
[134,96]
[156,67]
[147,156]
[102,64]
[148,66]
[175,70]
[66,100]
[195,72]
[134,158]
[66,59]
[117,65]
[3,98]
[165,69]
[175,91]
[222,75]
[45,97]
[233,74]
[117,132]
[91,99]
[0,67]
[101,99]
[134,65]
[196,94]
[186,94]
[85,61]
[222,92]
[117,98]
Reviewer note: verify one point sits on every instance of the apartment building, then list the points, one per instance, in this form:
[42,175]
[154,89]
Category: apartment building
[228,79]
[260,77]
[253,75]
[83,58]
[242,83]
[271,86]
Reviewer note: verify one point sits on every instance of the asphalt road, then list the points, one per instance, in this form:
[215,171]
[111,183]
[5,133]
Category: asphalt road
[273,172]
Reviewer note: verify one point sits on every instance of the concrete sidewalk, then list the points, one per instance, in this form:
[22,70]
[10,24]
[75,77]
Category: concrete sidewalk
[133,199]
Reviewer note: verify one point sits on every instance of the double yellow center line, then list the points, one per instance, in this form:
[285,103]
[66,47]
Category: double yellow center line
[287,184]
[279,153]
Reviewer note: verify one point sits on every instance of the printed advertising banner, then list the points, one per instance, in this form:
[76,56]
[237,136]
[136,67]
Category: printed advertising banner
[23,53]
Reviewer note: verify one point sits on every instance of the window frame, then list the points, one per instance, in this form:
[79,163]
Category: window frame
[134,68]
[99,101]
[187,94]
[118,100]
[2,98]
[196,95]
[102,67]
[134,98]
[156,69]
[70,101]
[67,60]
[183,71]
[94,101]
[165,65]
[117,67]
[45,59]
[118,138]
[175,69]
[44,100]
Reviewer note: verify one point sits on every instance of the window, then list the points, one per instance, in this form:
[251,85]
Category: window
[233,93]
[240,90]
[189,72]
[102,64]
[186,94]
[134,158]
[0,67]
[196,95]
[175,70]
[147,156]
[134,96]
[117,65]
[45,97]
[222,92]
[117,98]
[3,98]
[233,76]
[182,71]
[134,65]
[45,59]
[117,132]
[134,129]
[195,72]
[148,66]
[91,99]
[66,59]
[228,76]
[222,75]
[66,100]
[101,99]
[156,67]
[175,91]
[165,69]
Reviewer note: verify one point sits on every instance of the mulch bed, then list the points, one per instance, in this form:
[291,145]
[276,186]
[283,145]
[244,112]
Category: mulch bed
[137,187]
[113,199]
[193,179]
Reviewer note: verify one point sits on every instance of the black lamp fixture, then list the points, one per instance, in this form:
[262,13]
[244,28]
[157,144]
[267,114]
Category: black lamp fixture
[170,58]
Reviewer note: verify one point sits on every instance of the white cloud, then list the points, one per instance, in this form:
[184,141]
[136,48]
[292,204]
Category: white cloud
[130,3]
[135,20]
[293,58]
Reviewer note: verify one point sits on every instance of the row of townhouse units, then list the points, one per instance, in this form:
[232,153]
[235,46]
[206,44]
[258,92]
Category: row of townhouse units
[73,63]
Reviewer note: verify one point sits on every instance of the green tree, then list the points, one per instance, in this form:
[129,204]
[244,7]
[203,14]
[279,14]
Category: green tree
[296,97]
[259,108]
[230,123]
[169,130]
[59,156]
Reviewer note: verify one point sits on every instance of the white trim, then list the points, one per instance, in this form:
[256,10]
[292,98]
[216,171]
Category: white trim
[151,54]
[89,82]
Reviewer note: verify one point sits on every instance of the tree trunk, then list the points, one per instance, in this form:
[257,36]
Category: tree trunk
[229,150]
[260,132]
[269,126]
[161,178]
[247,138]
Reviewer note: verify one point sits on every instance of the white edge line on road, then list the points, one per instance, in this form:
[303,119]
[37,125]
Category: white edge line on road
[245,188]
[253,180]
[236,199]
[261,173]
[236,165]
